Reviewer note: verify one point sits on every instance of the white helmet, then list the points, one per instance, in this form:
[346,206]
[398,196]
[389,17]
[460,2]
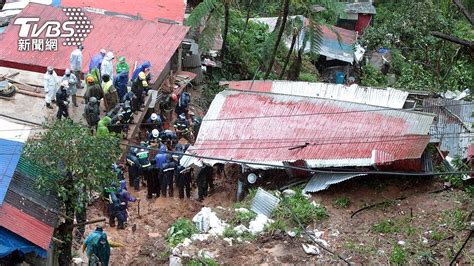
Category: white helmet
[154,116]
[155,133]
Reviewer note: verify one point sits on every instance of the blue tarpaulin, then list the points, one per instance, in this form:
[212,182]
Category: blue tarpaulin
[10,242]
[10,152]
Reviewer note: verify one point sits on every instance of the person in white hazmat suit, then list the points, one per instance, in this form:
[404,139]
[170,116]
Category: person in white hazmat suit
[107,66]
[72,87]
[50,85]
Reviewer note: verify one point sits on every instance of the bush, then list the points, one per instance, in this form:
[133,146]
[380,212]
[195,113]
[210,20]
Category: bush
[242,218]
[386,227]
[342,202]
[372,77]
[299,209]
[398,256]
[181,229]
[276,227]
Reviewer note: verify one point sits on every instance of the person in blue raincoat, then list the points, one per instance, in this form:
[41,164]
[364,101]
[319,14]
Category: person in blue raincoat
[145,67]
[96,60]
[120,83]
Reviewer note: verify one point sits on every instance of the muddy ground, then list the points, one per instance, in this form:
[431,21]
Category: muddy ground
[427,227]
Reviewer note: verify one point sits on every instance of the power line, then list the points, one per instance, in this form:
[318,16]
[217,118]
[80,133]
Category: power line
[330,113]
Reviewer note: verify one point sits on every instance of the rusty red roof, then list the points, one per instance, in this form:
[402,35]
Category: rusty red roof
[25,226]
[147,9]
[275,128]
[137,40]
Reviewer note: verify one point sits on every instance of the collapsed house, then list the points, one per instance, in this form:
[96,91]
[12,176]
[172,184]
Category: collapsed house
[28,215]
[357,16]
[265,126]
[336,43]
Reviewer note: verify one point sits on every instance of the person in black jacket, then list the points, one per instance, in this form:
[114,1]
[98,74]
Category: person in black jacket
[62,101]
[167,178]
[139,88]
[153,180]
[203,177]
[183,181]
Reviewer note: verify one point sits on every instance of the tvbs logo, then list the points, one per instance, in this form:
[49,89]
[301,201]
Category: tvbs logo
[73,31]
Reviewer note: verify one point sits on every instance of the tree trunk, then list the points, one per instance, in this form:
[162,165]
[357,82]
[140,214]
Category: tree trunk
[453,39]
[278,40]
[295,68]
[64,231]
[288,56]
[247,18]
[464,11]
[226,29]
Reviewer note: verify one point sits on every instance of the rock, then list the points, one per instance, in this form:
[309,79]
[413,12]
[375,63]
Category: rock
[186,242]
[205,254]
[175,251]
[153,235]
[207,222]
[306,195]
[228,240]
[242,210]
[401,243]
[288,192]
[185,255]
[310,249]
[291,233]
[322,242]
[147,228]
[258,224]
[200,237]
[175,261]
[424,240]
[79,261]
[315,204]
[317,233]
[240,229]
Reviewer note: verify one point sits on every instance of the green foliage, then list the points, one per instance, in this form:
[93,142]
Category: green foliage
[455,180]
[278,226]
[202,261]
[361,249]
[298,208]
[470,191]
[420,60]
[68,147]
[181,229]
[372,77]
[386,227]
[398,256]
[342,202]
[201,12]
[455,219]
[438,235]
[230,232]
[242,217]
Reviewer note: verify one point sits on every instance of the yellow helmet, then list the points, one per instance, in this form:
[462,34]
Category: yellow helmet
[142,75]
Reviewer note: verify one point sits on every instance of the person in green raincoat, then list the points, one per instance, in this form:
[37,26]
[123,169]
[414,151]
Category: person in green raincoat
[122,66]
[97,247]
[102,129]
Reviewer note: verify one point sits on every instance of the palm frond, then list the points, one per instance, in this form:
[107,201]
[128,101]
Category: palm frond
[315,37]
[204,9]
[212,30]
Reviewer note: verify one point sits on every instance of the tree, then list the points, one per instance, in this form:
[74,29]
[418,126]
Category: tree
[211,11]
[283,17]
[83,162]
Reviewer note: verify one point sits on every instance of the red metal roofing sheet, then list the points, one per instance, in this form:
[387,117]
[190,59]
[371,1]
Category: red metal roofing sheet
[249,85]
[137,40]
[25,226]
[262,127]
[336,33]
[147,9]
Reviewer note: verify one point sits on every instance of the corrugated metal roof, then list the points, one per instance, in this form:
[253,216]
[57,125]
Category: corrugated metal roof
[389,97]
[264,127]
[453,124]
[360,8]
[25,226]
[137,40]
[12,138]
[336,43]
[264,202]
[322,181]
[147,9]
[25,196]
